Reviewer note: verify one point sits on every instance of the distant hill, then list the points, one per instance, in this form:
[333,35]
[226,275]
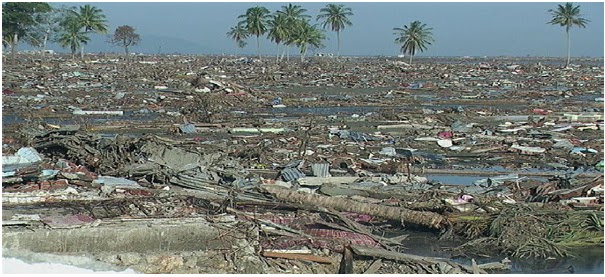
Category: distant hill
[150,44]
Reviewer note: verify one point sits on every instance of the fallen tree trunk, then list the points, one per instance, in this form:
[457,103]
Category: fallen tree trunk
[425,219]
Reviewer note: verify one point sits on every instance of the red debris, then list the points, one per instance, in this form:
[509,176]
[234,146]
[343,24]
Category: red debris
[353,238]
[358,217]
[140,192]
[445,135]
[69,221]
[540,111]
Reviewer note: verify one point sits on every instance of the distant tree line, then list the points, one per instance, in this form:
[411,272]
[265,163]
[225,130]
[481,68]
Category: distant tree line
[36,23]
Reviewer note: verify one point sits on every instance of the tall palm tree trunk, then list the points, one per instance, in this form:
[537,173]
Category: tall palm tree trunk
[44,42]
[82,51]
[568,48]
[277,56]
[283,53]
[302,54]
[337,44]
[258,46]
[421,218]
[288,53]
[411,55]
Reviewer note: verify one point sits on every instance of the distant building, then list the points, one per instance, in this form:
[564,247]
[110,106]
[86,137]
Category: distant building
[324,55]
[51,52]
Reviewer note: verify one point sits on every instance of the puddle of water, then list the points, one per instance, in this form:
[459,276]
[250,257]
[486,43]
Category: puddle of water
[586,97]
[461,180]
[497,168]
[555,88]
[281,119]
[588,260]
[366,109]
[323,110]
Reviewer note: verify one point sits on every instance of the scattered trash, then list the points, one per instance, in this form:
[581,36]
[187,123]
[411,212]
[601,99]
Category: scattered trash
[24,157]
[445,143]
[115,182]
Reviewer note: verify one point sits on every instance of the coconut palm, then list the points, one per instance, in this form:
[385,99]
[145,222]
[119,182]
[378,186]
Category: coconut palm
[305,35]
[335,16]
[293,15]
[278,30]
[255,21]
[239,34]
[567,15]
[73,37]
[413,38]
[293,12]
[90,18]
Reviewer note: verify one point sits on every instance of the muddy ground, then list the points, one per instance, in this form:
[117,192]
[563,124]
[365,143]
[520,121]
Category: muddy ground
[235,165]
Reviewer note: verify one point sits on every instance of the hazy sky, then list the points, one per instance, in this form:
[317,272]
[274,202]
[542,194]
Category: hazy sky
[459,29]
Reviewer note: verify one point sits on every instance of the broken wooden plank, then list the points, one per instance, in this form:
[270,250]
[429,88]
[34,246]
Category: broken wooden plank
[420,260]
[346,263]
[392,255]
[374,267]
[502,265]
[294,256]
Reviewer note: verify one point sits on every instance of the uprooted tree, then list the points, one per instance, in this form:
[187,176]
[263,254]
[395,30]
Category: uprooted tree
[125,36]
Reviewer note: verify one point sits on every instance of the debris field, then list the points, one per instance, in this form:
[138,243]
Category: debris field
[219,164]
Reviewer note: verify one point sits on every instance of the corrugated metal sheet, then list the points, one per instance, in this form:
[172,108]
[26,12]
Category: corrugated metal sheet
[188,128]
[291,174]
[321,170]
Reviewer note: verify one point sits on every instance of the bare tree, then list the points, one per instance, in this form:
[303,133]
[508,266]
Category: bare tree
[124,36]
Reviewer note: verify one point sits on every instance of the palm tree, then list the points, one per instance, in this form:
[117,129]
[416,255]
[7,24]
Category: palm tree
[568,16]
[255,21]
[72,37]
[414,38]
[293,14]
[278,30]
[239,34]
[90,18]
[306,35]
[336,17]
